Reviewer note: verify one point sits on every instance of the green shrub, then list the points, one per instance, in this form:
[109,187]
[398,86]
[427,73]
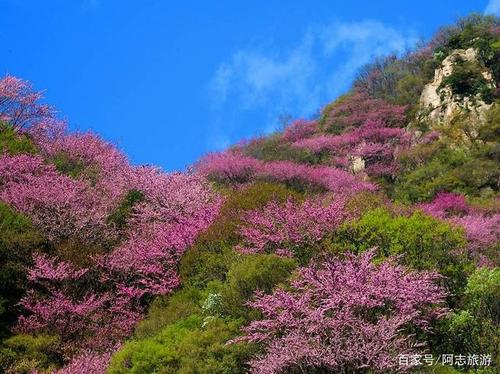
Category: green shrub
[121,214]
[473,328]
[408,89]
[440,166]
[466,80]
[423,241]
[14,143]
[185,347]
[65,165]
[489,131]
[18,240]
[251,273]
[482,294]
[26,353]
[212,255]
[166,310]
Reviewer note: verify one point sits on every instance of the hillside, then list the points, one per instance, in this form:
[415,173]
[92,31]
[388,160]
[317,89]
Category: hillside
[365,240]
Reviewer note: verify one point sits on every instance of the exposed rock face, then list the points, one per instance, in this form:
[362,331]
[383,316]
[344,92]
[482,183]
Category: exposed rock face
[357,164]
[440,105]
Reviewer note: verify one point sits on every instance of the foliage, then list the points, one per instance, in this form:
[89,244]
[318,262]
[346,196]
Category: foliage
[474,31]
[252,273]
[430,168]
[467,80]
[184,347]
[422,242]
[167,310]
[24,354]
[474,326]
[18,240]
[14,143]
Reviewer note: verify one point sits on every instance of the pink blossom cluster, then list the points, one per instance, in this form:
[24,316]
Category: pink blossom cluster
[88,363]
[358,108]
[299,129]
[375,143]
[228,166]
[21,108]
[344,314]
[61,302]
[102,164]
[235,168]
[59,206]
[482,230]
[446,205]
[364,127]
[97,306]
[281,228]
[19,104]
[324,177]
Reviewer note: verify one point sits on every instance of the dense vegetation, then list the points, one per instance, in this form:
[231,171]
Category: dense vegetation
[341,244]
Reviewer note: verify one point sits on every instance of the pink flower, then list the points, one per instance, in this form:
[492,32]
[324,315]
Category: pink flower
[283,228]
[344,314]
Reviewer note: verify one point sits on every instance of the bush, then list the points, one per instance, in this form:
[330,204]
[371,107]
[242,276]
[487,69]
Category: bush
[428,169]
[166,310]
[473,328]
[489,131]
[13,142]
[212,255]
[424,242]
[185,347]
[67,165]
[18,240]
[251,273]
[24,354]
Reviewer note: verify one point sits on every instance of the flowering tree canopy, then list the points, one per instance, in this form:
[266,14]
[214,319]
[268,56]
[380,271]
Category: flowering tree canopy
[345,314]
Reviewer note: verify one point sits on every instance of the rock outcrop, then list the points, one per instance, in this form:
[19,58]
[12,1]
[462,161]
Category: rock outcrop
[439,104]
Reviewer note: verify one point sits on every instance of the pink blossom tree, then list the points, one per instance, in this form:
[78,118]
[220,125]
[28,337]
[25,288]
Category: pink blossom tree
[482,229]
[59,206]
[20,104]
[228,167]
[358,108]
[285,229]
[88,363]
[299,129]
[98,162]
[96,307]
[344,316]
[61,303]
[234,168]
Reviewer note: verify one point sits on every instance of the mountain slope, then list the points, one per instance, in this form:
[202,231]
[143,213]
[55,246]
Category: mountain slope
[357,241]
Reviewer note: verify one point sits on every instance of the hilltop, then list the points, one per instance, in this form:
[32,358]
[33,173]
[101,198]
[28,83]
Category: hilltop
[363,240]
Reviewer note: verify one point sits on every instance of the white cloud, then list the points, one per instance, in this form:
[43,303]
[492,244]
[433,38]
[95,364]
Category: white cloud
[299,79]
[493,7]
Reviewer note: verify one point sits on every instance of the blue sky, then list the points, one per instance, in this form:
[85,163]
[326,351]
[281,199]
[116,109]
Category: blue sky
[170,80]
